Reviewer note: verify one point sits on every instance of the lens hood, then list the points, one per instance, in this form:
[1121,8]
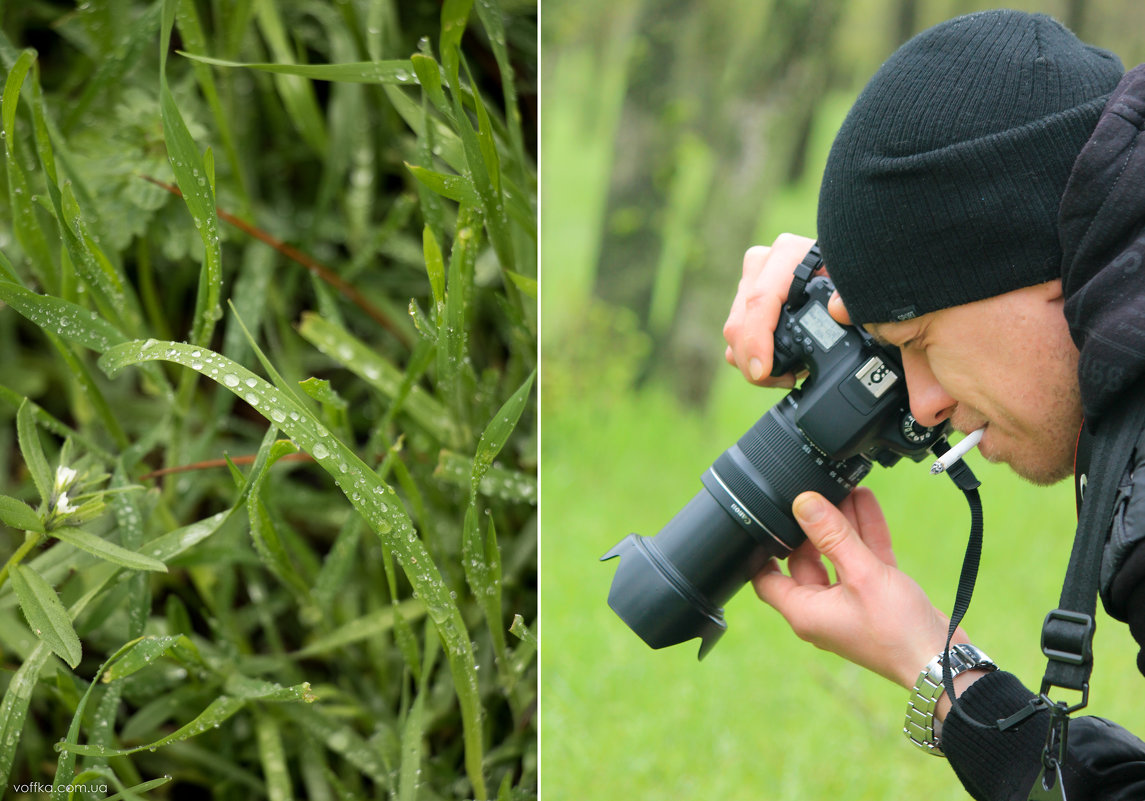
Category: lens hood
[656,601]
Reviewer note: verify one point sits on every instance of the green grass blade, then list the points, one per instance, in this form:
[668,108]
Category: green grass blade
[522,632]
[216,712]
[435,270]
[412,732]
[166,547]
[7,271]
[398,72]
[133,793]
[480,555]
[338,565]
[452,348]
[323,391]
[116,62]
[429,76]
[191,32]
[492,602]
[342,740]
[145,651]
[110,291]
[25,223]
[497,432]
[66,763]
[454,18]
[54,425]
[363,627]
[489,12]
[454,187]
[18,515]
[373,368]
[12,85]
[496,482]
[14,707]
[372,497]
[268,544]
[272,755]
[33,451]
[297,94]
[45,614]
[191,176]
[68,320]
[485,168]
[108,551]
[250,689]
[526,285]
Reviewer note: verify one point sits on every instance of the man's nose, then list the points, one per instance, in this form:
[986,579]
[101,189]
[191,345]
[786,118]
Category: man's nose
[929,402]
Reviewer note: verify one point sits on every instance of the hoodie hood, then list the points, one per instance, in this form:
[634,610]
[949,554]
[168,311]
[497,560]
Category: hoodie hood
[1102,229]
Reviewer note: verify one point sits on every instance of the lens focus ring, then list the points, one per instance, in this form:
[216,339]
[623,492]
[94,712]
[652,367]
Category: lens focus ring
[772,463]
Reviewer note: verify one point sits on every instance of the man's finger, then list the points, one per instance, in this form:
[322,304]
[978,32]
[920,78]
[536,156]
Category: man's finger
[872,525]
[837,310]
[831,534]
[774,587]
[806,566]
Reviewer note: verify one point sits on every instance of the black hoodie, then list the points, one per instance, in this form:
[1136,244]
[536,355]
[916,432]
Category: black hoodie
[1102,230]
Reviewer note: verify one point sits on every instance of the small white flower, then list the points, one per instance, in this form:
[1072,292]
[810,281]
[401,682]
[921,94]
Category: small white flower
[63,507]
[64,478]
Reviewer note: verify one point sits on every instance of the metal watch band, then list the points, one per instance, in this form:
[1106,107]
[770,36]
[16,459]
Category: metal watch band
[919,726]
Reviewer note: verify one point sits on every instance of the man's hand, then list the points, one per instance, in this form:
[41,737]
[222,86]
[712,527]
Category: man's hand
[874,614]
[762,291]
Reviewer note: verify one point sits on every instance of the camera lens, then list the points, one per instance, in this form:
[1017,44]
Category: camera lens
[670,588]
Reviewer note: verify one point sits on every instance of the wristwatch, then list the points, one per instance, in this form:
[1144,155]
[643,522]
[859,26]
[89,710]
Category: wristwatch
[919,727]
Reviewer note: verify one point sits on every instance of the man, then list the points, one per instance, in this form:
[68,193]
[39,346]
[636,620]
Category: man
[982,209]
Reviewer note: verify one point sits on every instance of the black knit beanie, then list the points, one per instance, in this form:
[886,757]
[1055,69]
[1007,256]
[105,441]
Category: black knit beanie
[942,186]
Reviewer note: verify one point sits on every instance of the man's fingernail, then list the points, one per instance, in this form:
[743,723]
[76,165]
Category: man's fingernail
[755,367]
[809,508]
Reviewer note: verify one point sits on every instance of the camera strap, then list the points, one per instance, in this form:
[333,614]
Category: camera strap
[962,476]
[1067,632]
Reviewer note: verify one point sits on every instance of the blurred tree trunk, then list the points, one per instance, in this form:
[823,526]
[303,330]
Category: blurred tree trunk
[1075,17]
[906,20]
[811,32]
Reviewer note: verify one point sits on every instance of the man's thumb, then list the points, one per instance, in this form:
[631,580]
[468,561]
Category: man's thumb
[827,529]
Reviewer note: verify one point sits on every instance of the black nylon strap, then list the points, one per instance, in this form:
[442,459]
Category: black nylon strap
[1067,634]
[966,581]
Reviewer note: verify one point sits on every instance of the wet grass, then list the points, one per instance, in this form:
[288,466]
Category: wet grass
[267,416]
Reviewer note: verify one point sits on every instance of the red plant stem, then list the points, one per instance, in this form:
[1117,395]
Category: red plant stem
[213,463]
[348,290]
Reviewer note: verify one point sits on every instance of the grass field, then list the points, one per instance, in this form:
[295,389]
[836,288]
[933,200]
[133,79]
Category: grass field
[267,319]
[764,716]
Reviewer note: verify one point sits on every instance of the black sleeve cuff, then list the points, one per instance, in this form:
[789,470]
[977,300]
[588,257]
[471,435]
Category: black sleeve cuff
[1104,762]
[993,764]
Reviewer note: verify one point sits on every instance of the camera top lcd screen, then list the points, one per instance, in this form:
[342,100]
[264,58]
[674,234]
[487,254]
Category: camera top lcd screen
[818,323]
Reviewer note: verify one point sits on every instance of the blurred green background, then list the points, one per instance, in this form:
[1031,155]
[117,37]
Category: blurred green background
[675,135]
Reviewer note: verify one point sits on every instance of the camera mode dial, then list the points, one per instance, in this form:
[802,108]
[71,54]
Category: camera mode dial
[914,431]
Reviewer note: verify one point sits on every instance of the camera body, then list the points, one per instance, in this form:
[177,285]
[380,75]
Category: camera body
[850,412]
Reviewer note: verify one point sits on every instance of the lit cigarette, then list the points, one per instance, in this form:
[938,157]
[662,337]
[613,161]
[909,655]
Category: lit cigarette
[947,460]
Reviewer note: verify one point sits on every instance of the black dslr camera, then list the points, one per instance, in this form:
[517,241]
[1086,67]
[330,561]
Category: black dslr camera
[850,412]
